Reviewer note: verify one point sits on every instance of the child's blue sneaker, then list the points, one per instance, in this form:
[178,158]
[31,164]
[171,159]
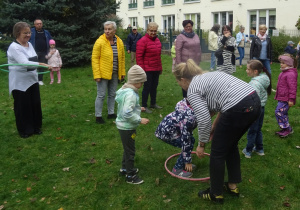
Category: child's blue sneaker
[259,152]
[247,154]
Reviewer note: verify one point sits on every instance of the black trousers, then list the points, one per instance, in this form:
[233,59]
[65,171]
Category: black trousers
[150,87]
[128,141]
[232,125]
[28,110]
[41,59]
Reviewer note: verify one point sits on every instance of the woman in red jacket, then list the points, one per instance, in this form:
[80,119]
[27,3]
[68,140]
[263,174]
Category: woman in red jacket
[148,56]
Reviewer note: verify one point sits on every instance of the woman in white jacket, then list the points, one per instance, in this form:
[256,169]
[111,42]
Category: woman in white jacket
[213,44]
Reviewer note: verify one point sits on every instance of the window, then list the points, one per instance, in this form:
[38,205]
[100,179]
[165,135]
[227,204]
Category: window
[163,2]
[168,23]
[148,3]
[195,18]
[133,21]
[132,4]
[259,17]
[191,1]
[223,18]
[148,19]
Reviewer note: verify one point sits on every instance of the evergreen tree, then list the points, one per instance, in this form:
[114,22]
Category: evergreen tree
[75,25]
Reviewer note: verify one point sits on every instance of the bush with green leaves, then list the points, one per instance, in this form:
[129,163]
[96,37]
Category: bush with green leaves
[280,42]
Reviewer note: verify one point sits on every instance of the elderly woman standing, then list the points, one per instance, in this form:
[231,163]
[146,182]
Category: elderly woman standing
[213,44]
[23,82]
[148,56]
[188,46]
[238,106]
[241,40]
[108,63]
[225,53]
[261,48]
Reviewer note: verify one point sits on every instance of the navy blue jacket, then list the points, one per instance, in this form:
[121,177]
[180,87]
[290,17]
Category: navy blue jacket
[32,38]
[290,50]
[131,41]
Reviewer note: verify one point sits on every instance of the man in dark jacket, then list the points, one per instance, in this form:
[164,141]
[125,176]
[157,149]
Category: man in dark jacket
[290,48]
[40,42]
[131,43]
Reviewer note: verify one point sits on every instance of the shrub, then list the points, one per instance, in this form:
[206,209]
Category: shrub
[280,42]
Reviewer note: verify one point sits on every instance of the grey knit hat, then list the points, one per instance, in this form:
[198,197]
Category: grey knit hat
[136,75]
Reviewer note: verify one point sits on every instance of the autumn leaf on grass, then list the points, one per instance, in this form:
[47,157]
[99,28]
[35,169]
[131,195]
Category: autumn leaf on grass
[60,137]
[93,144]
[1,207]
[108,161]
[92,160]
[58,129]
[167,200]
[28,189]
[66,169]
[298,147]
[282,187]
[157,181]
[286,204]
[33,200]
[139,198]
[250,181]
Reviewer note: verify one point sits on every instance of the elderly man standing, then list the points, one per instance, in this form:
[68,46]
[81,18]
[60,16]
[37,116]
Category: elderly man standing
[132,39]
[40,42]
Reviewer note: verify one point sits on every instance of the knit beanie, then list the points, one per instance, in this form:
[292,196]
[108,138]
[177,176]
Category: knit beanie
[136,75]
[287,60]
[51,41]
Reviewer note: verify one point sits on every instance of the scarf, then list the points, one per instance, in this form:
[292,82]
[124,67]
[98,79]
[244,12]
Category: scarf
[188,35]
[127,85]
[262,38]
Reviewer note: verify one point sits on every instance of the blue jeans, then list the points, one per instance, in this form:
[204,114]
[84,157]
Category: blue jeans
[266,64]
[212,60]
[254,135]
[242,54]
[111,87]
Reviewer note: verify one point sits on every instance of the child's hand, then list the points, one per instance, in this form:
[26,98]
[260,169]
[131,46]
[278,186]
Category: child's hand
[200,152]
[143,109]
[291,103]
[144,121]
[188,167]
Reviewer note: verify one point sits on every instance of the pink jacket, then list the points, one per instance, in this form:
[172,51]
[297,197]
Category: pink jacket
[188,48]
[55,59]
[287,85]
[148,53]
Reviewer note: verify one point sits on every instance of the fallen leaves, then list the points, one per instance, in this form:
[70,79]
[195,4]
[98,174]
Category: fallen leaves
[66,169]
[28,189]
[282,187]
[157,181]
[108,161]
[167,200]
[92,161]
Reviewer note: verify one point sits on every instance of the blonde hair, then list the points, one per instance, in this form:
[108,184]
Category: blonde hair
[152,24]
[263,27]
[187,70]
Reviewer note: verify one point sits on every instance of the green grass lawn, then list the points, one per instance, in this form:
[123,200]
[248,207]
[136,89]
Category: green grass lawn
[75,163]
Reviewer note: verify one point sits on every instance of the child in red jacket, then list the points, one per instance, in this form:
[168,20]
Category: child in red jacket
[286,93]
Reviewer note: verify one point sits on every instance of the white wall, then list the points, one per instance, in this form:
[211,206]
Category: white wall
[287,11]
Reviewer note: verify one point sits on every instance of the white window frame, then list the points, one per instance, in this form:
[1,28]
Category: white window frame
[149,19]
[166,26]
[133,21]
[196,24]
[267,11]
[227,18]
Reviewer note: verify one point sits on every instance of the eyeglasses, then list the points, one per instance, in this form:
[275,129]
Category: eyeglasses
[153,31]
[27,33]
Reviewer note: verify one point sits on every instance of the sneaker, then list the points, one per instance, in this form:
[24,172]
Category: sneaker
[259,152]
[123,171]
[273,90]
[51,82]
[111,116]
[41,83]
[58,82]
[155,106]
[279,132]
[286,132]
[247,154]
[206,195]
[234,192]
[182,173]
[134,179]
[100,120]
[147,110]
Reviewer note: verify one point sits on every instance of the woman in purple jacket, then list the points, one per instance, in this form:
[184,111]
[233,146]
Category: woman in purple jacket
[188,46]
[286,93]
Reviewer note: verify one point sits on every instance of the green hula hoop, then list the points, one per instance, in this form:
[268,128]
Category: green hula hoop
[17,64]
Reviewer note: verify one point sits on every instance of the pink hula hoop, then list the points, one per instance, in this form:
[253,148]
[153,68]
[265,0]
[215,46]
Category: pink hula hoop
[205,179]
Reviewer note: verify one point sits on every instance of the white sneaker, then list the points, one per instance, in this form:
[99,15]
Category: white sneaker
[41,83]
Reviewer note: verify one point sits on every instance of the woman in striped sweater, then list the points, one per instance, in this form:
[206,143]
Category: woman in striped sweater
[238,106]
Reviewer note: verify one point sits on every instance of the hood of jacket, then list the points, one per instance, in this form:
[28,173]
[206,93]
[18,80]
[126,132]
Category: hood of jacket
[182,106]
[263,79]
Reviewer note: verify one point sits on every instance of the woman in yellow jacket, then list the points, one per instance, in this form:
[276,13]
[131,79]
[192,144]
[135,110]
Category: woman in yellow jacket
[108,63]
